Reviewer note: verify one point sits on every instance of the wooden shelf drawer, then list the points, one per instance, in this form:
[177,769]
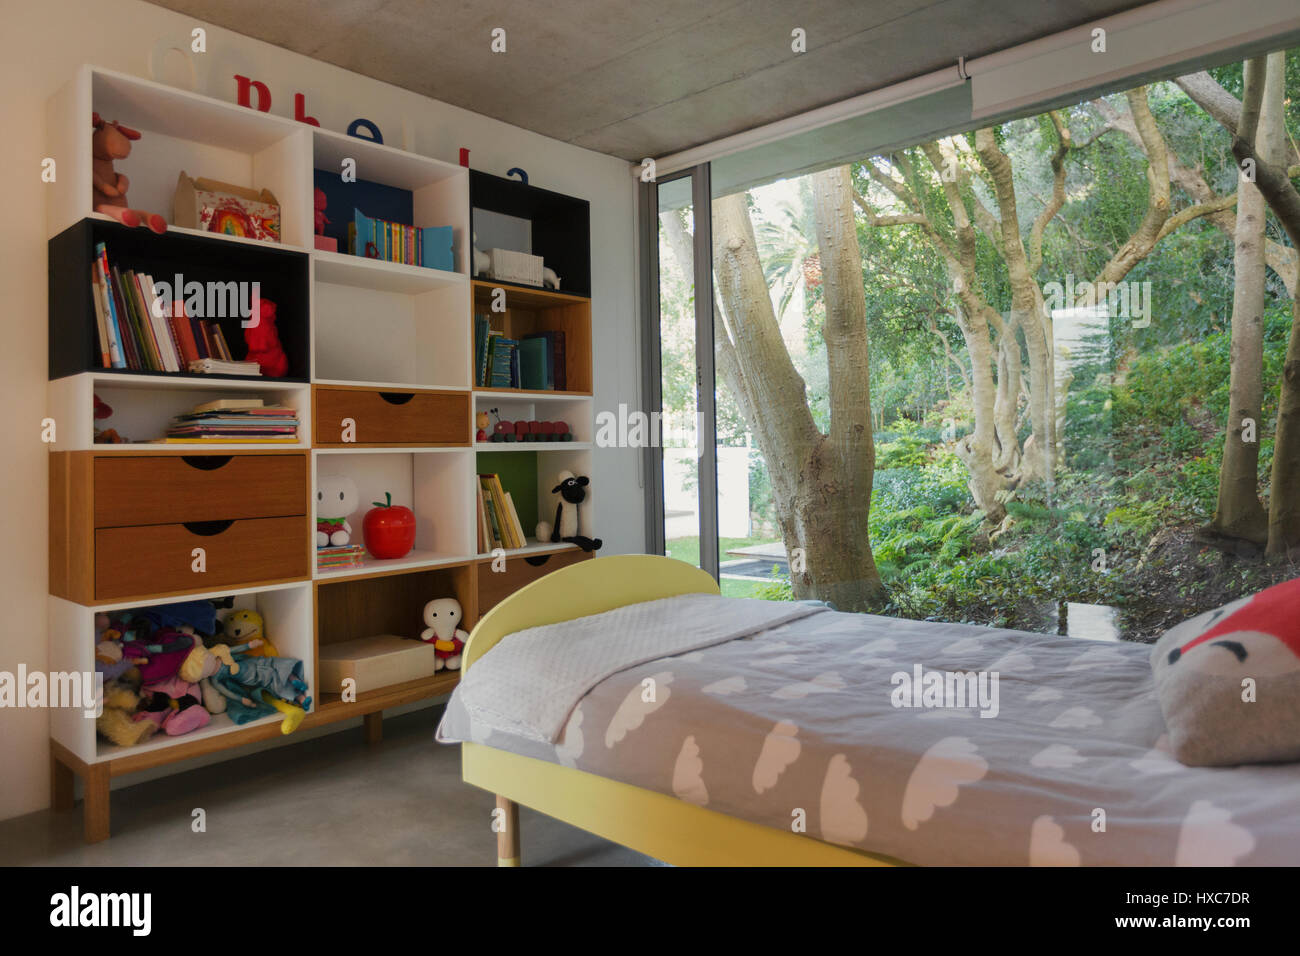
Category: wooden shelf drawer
[118,523]
[153,559]
[407,417]
[176,489]
[496,586]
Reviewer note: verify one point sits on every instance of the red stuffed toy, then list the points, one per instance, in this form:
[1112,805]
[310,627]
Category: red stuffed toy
[264,343]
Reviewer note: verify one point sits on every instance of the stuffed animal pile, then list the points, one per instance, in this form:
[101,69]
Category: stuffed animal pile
[170,668]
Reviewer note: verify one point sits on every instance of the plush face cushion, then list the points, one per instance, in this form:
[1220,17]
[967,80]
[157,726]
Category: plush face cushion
[1229,681]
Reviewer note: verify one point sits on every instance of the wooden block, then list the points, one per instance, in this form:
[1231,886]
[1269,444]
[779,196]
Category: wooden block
[374,662]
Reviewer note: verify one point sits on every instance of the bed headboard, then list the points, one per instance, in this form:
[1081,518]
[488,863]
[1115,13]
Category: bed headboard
[588,587]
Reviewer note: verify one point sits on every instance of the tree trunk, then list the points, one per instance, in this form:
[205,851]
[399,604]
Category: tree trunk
[1284,494]
[1240,516]
[1273,179]
[821,484]
[834,500]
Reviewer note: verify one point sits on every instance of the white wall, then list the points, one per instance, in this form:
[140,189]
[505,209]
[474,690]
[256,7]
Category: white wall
[46,41]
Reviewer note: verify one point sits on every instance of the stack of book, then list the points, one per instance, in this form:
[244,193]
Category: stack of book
[341,556]
[534,362]
[498,522]
[139,331]
[541,361]
[234,420]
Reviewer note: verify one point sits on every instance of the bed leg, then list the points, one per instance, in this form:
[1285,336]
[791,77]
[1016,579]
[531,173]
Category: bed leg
[508,835]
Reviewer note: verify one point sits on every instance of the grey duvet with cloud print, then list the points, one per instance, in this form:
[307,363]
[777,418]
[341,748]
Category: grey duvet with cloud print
[815,723]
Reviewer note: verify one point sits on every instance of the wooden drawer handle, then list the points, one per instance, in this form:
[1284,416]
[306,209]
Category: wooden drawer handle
[397,398]
[207,529]
[537,560]
[207,462]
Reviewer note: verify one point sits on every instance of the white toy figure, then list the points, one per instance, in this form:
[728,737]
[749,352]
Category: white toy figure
[549,279]
[443,616]
[336,498]
[571,491]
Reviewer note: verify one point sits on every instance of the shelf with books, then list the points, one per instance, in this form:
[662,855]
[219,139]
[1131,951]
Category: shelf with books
[544,339]
[140,409]
[180,132]
[365,182]
[124,324]
[526,480]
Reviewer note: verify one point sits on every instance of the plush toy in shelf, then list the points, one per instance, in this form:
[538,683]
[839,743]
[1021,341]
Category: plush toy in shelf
[245,626]
[254,687]
[482,421]
[105,436]
[549,279]
[572,492]
[443,615]
[263,342]
[336,498]
[110,142]
[323,242]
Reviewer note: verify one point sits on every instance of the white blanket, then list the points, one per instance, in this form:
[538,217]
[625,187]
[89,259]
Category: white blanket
[529,683]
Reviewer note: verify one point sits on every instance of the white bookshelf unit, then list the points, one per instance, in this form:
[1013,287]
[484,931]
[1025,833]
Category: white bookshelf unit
[386,347]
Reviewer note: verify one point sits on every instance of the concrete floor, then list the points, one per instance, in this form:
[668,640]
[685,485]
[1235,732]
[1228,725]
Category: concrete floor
[331,801]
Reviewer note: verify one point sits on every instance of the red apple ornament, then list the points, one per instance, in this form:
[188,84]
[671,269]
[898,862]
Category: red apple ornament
[389,529]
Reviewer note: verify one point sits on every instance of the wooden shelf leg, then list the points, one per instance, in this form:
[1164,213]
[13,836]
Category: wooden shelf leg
[508,838]
[62,780]
[95,808]
[374,727]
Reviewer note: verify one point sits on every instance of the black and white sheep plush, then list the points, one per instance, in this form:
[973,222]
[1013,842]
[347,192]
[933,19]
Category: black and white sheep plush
[572,491]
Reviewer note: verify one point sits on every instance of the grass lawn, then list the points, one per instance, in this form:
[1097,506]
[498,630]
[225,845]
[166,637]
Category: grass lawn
[688,550]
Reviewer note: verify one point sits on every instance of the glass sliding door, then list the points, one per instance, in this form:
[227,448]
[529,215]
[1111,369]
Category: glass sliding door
[682,464]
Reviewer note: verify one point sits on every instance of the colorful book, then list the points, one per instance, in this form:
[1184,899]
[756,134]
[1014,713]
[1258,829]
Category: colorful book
[485,490]
[484,532]
[117,356]
[184,335]
[156,319]
[129,339]
[535,369]
[499,496]
[101,322]
[516,527]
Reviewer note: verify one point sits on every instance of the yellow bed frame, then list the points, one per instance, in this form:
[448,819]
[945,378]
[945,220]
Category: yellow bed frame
[655,824]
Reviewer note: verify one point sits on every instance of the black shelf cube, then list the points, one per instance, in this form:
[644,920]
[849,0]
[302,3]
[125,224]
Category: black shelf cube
[561,225]
[73,332]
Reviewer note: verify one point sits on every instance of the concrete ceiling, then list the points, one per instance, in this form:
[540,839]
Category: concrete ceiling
[638,78]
